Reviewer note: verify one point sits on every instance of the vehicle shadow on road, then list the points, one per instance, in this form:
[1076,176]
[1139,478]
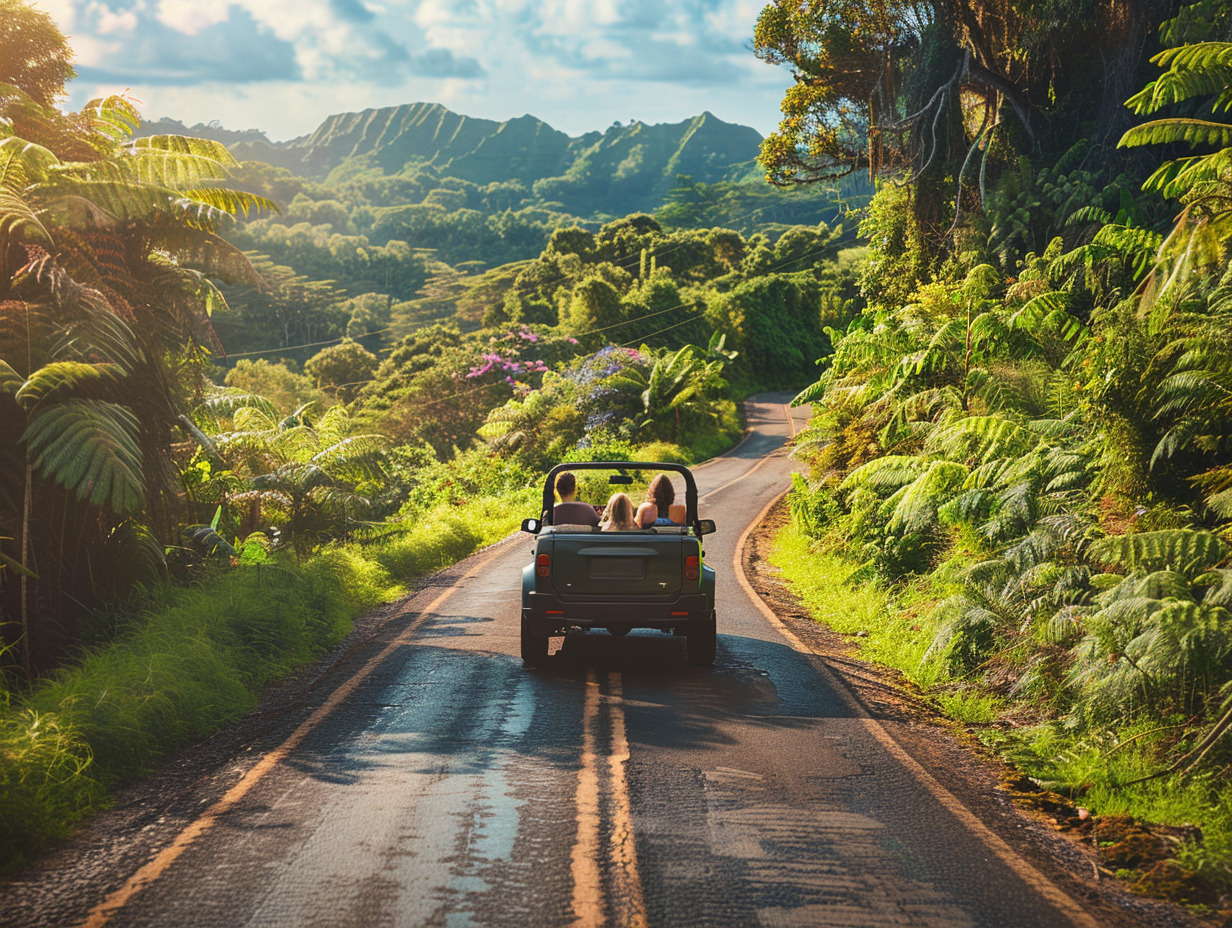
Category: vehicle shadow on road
[434,702]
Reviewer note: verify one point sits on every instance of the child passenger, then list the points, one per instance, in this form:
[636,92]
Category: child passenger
[618,516]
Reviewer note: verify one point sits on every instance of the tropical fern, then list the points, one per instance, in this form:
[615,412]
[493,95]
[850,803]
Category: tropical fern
[1201,69]
[58,378]
[1186,551]
[916,505]
[981,439]
[1155,642]
[90,447]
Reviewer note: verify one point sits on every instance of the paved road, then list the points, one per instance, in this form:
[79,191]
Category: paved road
[431,780]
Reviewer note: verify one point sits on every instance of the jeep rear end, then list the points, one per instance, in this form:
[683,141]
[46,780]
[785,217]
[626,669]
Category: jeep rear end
[582,578]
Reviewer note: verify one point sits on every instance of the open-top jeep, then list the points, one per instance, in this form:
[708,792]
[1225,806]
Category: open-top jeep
[584,578]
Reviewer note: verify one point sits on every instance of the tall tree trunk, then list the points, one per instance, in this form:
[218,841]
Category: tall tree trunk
[25,580]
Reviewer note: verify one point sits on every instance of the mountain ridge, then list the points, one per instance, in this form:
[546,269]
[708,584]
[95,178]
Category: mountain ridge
[631,164]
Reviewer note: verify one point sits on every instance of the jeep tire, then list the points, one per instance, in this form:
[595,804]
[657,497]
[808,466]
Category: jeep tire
[701,640]
[534,646]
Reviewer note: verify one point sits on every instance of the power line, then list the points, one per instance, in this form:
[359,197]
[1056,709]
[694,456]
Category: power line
[656,254]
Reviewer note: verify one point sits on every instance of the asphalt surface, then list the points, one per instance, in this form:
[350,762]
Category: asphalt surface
[429,779]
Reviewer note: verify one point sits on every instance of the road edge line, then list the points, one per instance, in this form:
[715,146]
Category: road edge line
[102,912]
[989,838]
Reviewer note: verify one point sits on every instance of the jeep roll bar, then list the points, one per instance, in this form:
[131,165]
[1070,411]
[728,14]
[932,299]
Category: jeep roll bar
[690,485]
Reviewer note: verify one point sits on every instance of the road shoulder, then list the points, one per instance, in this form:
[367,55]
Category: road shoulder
[951,754]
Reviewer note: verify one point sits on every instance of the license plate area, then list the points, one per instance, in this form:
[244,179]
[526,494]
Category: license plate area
[617,568]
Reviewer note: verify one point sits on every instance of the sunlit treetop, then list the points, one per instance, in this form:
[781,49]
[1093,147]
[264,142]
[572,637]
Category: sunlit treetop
[34,55]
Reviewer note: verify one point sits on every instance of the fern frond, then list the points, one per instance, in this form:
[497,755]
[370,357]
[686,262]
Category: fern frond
[23,163]
[810,394]
[1170,131]
[980,439]
[1220,503]
[1178,177]
[1178,86]
[917,507]
[91,448]
[60,377]
[19,222]
[224,406]
[186,145]
[231,202]
[76,200]
[1089,213]
[889,472]
[1187,551]
[114,116]
[10,380]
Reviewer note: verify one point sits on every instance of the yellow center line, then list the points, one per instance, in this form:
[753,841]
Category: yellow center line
[629,905]
[587,882]
[151,871]
[990,839]
[791,422]
[748,473]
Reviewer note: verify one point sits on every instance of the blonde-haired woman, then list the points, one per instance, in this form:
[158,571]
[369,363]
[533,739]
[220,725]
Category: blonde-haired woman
[618,516]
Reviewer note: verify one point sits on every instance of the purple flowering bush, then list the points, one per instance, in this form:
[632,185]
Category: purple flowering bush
[520,358]
[579,407]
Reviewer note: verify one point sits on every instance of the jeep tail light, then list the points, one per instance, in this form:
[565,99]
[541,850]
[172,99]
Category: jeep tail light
[543,565]
[691,564]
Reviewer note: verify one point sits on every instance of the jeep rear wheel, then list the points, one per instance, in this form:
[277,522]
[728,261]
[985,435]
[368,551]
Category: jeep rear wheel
[701,641]
[534,647]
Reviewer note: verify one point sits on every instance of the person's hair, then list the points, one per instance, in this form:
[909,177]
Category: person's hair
[566,483]
[619,512]
[661,493]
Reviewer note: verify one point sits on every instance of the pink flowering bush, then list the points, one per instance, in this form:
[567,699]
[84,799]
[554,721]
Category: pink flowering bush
[518,358]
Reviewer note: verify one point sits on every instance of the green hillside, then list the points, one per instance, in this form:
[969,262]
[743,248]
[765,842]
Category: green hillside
[627,168]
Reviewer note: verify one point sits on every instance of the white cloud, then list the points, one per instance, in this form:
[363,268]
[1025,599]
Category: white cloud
[191,16]
[62,12]
[578,64]
[115,22]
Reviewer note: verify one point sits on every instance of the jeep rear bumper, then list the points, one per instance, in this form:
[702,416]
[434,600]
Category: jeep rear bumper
[546,614]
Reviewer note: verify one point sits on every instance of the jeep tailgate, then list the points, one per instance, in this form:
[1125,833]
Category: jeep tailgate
[609,564]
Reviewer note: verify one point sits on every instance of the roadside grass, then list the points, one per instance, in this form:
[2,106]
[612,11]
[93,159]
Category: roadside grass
[970,708]
[1113,773]
[881,629]
[199,659]
[190,660]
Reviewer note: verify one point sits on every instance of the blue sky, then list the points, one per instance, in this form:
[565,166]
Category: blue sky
[284,65]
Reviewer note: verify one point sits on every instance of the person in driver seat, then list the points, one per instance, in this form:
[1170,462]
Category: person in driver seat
[569,511]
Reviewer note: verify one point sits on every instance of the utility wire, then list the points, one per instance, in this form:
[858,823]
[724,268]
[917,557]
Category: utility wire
[519,291]
[333,341]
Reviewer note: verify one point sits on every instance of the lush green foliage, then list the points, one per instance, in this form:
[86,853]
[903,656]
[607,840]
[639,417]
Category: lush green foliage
[107,244]
[1035,434]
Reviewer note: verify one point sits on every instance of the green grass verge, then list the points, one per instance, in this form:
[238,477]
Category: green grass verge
[889,633]
[201,657]
[895,627]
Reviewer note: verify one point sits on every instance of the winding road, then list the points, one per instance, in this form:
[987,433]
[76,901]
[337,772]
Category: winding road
[429,779]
